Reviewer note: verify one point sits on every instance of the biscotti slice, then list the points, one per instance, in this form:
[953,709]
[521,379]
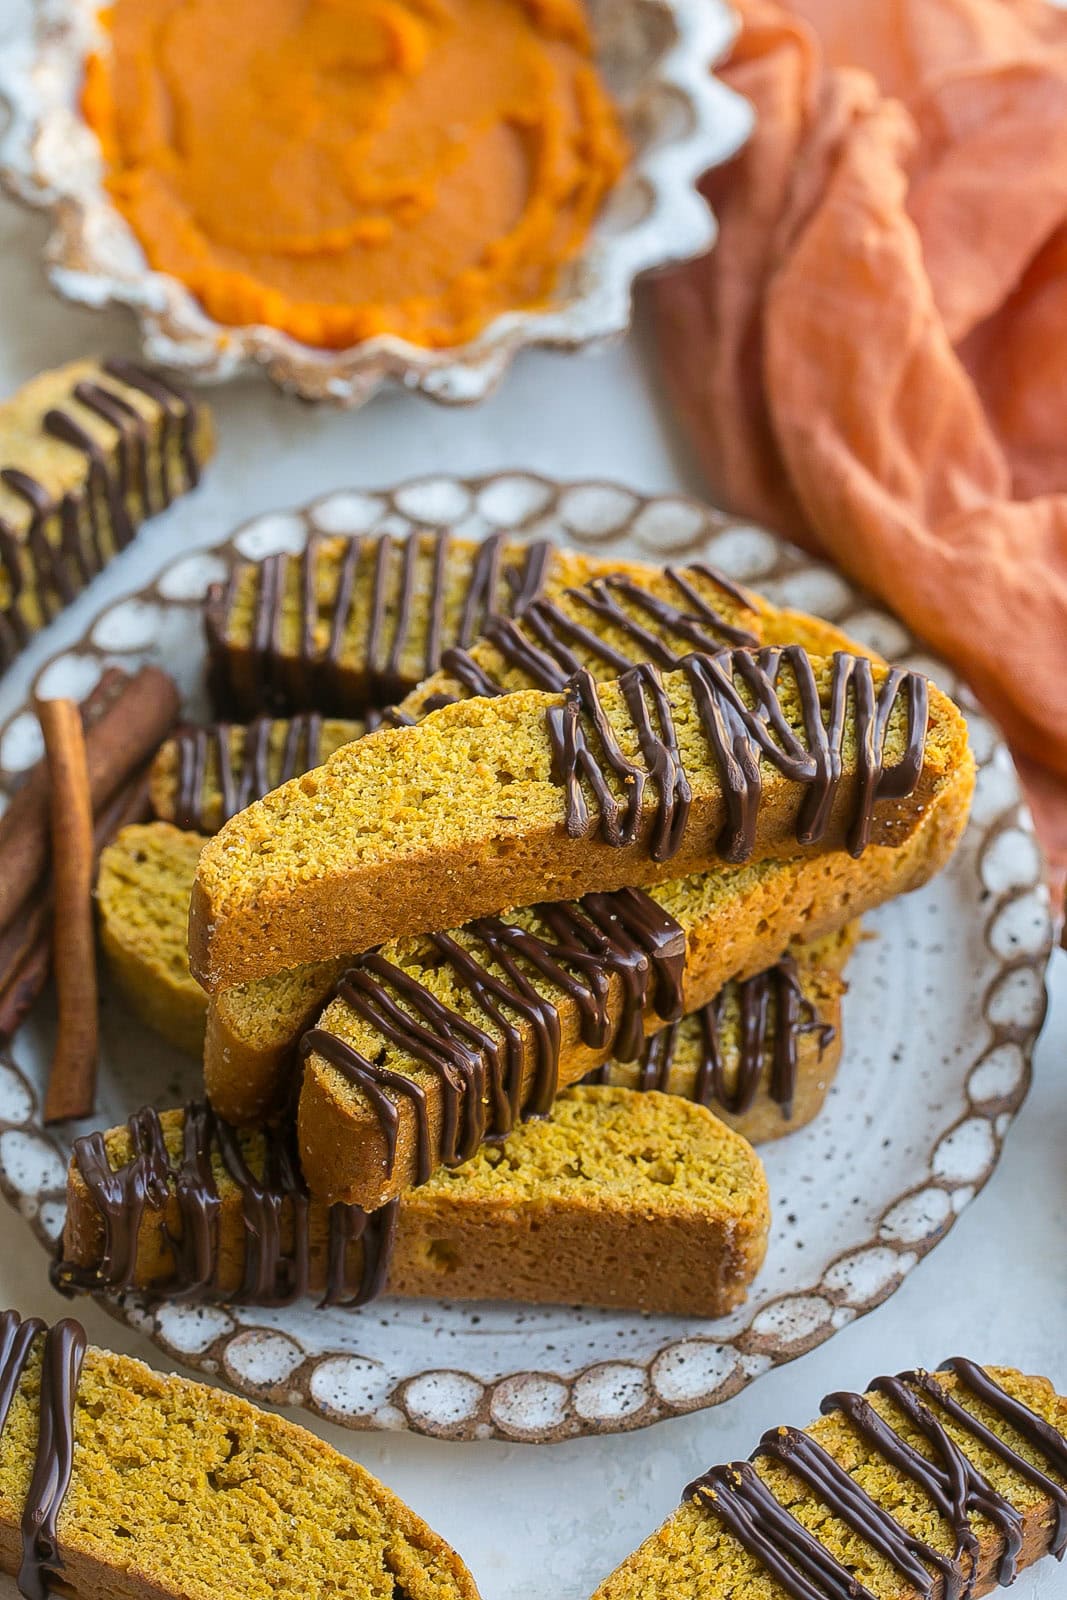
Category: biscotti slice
[621,1199]
[933,1484]
[431,1044]
[203,776]
[626,614]
[531,796]
[352,623]
[118,1482]
[613,615]
[254,1029]
[142,898]
[763,1053]
[87,452]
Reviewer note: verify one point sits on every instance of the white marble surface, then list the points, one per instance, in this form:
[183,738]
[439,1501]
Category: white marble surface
[548,1523]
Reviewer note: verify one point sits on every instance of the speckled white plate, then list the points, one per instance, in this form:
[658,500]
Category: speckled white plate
[944,1006]
[656,57]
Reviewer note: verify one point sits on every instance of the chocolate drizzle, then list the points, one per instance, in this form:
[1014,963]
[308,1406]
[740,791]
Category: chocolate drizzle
[955,1485]
[773,1015]
[538,640]
[274,1205]
[61,1363]
[737,696]
[315,675]
[244,767]
[489,1077]
[56,563]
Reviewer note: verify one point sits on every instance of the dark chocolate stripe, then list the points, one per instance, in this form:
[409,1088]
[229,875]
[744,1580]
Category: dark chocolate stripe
[179,413]
[61,1362]
[480,1070]
[56,569]
[244,768]
[315,677]
[773,1015]
[741,731]
[956,1487]
[272,1275]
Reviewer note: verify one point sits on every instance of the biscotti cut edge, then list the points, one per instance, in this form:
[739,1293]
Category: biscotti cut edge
[692,1555]
[178,1492]
[643,1201]
[460,816]
[143,875]
[344,1150]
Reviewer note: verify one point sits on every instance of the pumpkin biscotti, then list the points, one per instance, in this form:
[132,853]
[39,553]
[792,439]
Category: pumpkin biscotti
[430,1046]
[87,453]
[761,1054]
[203,776]
[931,1484]
[347,624]
[142,900]
[118,1482]
[620,1199]
[351,623]
[487,803]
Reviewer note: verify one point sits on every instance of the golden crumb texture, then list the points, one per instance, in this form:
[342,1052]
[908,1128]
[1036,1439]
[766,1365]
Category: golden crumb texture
[427,826]
[180,1492]
[643,1201]
[142,898]
[694,1557]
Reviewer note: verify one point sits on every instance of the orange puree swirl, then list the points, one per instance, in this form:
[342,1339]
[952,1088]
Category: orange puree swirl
[344,168]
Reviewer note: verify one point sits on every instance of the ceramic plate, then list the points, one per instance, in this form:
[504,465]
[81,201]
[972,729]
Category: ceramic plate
[656,57]
[911,1131]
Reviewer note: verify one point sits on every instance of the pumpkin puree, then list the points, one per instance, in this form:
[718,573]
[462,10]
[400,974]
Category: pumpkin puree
[344,168]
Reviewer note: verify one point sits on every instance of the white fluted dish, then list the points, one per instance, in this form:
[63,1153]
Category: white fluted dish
[656,57]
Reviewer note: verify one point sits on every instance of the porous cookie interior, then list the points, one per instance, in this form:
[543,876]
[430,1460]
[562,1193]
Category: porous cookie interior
[693,1555]
[143,894]
[377,797]
[176,1485]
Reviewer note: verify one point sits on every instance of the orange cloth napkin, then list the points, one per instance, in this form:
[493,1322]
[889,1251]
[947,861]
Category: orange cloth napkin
[874,358]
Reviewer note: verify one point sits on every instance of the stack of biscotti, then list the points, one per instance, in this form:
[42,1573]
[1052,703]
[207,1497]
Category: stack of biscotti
[645,808]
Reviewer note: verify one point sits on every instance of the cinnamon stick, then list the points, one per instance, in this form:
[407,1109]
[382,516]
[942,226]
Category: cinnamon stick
[72,1076]
[26,947]
[124,728]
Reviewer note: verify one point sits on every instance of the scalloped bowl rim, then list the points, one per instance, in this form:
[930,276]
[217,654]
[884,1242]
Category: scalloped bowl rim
[36,81]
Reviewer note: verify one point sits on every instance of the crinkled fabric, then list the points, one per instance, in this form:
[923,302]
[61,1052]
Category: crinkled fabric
[873,360]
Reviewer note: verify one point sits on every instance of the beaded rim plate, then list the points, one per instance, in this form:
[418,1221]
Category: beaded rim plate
[656,56]
[911,1131]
